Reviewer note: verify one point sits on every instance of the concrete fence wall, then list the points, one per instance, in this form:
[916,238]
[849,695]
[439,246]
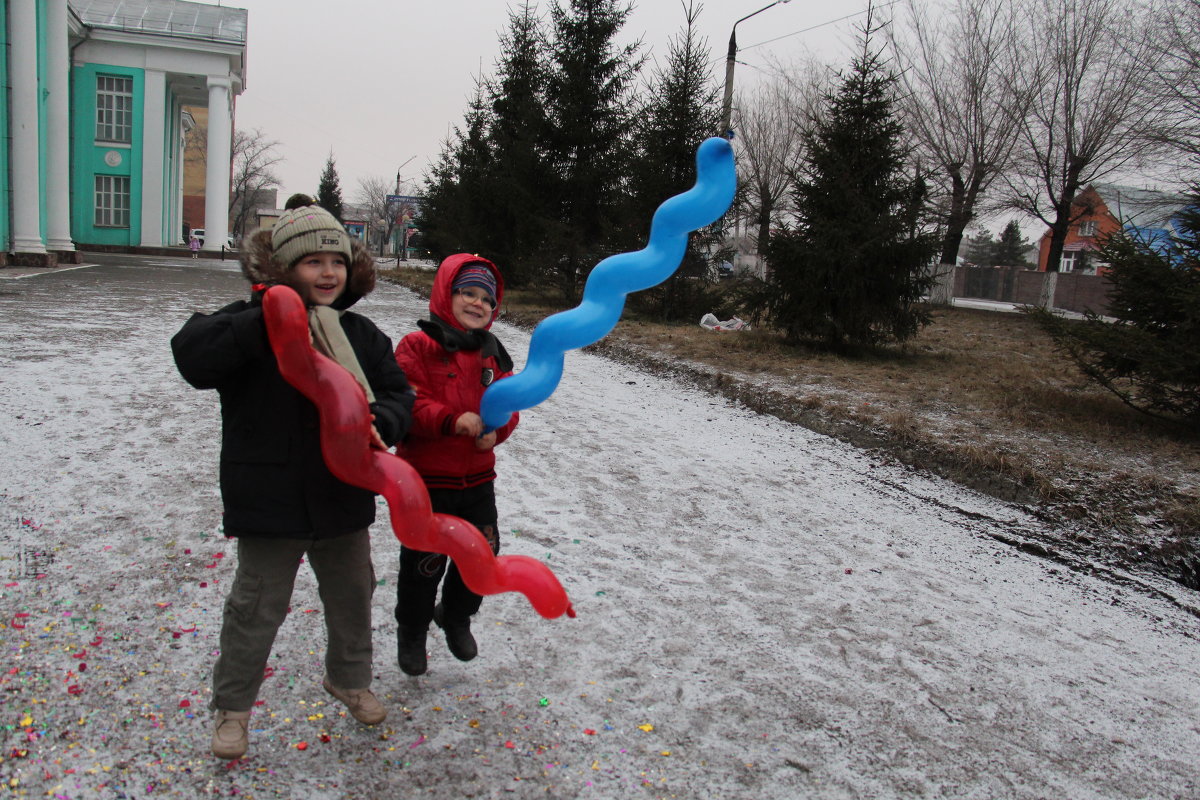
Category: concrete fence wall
[1074,291]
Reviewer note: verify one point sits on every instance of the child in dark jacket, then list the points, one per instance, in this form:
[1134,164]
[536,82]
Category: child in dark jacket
[280,500]
[451,360]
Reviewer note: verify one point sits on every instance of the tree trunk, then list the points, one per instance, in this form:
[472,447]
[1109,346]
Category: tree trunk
[1062,215]
[1058,234]
[942,291]
[962,211]
[1049,289]
[764,225]
[956,220]
[963,196]
[1058,238]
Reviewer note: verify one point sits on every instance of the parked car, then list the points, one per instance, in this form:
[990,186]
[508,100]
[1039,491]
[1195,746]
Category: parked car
[199,234]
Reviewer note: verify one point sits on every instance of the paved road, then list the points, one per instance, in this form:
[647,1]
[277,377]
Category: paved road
[762,612]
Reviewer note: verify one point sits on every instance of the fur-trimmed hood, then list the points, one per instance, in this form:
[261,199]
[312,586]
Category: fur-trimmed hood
[442,296]
[260,268]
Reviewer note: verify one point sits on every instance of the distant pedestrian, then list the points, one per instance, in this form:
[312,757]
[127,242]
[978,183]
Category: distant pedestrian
[194,246]
[451,360]
[280,500]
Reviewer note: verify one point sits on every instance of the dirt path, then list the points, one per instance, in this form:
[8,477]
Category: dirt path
[762,612]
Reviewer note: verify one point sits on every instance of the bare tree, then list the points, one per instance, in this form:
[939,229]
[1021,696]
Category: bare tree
[960,100]
[770,122]
[1090,115]
[254,159]
[372,196]
[1174,65]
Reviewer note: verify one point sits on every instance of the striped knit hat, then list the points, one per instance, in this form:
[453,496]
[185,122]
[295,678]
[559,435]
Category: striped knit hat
[477,275]
[308,229]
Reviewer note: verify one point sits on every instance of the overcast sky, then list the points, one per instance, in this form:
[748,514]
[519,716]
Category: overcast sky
[380,82]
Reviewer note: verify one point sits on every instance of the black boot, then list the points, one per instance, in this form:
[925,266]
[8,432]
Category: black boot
[458,636]
[410,650]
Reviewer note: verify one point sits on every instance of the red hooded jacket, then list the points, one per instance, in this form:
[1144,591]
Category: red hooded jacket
[450,380]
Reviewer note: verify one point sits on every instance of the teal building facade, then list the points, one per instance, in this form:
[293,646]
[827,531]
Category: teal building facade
[96,125]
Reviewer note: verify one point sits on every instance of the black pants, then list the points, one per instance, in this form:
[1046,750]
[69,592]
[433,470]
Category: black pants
[420,572]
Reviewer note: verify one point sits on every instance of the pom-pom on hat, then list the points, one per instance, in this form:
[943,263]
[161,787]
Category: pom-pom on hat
[297,200]
[476,275]
[308,229]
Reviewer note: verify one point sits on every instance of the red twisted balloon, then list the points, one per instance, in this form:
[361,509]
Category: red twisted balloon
[345,433]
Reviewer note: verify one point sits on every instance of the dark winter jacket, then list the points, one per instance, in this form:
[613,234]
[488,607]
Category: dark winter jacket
[274,481]
[450,368]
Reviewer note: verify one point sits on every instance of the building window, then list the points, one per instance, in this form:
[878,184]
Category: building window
[1087,228]
[112,201]
[1068,262]
[114,108]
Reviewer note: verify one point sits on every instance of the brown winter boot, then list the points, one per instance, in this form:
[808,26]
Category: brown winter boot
[362,703]
[230,737]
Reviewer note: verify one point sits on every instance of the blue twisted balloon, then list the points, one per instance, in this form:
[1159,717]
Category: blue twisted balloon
[611,280]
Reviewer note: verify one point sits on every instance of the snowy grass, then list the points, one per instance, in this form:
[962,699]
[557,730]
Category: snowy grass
[979,396]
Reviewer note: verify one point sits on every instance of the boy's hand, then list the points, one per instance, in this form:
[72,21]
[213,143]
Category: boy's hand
[486,442]
[468,424]
[376,439]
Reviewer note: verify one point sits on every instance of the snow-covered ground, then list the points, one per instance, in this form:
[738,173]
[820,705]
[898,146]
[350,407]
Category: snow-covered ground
[762,612]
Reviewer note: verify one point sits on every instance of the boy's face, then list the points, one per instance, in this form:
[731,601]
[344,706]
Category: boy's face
[472,307]
[320,278]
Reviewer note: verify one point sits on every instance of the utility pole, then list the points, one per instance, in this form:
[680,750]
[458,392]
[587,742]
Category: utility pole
[393,210]
[730,60]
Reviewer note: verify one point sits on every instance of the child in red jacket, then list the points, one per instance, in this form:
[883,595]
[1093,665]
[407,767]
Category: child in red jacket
[450,361]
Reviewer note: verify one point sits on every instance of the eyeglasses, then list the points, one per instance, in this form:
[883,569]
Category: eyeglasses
[477,296]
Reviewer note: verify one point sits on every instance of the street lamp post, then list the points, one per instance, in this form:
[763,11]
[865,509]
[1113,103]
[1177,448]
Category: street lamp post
[391,211]
[730,60]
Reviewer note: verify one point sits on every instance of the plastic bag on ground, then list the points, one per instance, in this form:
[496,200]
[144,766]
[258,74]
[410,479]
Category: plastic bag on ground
[710,322]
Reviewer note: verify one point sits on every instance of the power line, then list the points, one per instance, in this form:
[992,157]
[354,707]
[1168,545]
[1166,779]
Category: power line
[815,27]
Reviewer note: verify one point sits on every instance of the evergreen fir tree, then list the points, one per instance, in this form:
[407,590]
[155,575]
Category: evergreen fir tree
[329,192]
[456,213]
[680,113]
[1010,248]
[440,218]
[1149,357]
[587,101]
[855,267]
[475,185]
[979,249]
[517,137]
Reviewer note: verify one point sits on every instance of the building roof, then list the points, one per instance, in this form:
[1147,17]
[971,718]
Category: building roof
[1148,215]
[167,17]
[1140,208]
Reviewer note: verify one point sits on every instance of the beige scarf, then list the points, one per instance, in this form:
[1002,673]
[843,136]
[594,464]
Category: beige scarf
[329,339]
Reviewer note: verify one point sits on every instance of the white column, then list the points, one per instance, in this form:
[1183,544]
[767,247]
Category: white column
[58,159]
[180,155]
[154,118]
[22,67]
[220,157]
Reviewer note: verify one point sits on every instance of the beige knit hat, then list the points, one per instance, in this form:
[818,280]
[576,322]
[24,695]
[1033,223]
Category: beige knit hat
[308,229]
